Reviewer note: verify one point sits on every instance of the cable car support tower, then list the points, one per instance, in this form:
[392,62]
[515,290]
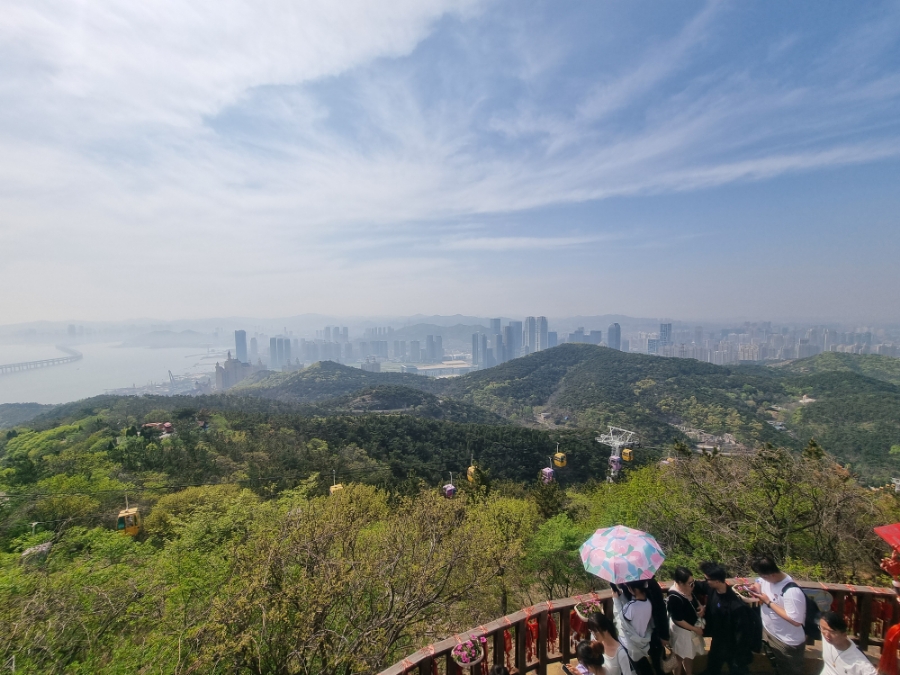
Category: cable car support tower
[618,439]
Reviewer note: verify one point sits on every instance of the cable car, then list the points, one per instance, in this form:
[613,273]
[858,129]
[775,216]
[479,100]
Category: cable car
[470,473]
[615,464]
[449,490]
[627,454]
[559,460]
[547,475]
[129,521]
[335,486]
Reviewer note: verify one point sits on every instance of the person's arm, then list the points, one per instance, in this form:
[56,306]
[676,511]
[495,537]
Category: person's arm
[677,612]
[794,615]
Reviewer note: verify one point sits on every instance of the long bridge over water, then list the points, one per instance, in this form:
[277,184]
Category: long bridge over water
[72,356]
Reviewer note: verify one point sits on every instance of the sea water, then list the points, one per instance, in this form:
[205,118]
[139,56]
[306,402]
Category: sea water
[104,367]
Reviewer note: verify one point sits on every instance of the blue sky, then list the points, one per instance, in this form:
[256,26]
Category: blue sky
[689,159]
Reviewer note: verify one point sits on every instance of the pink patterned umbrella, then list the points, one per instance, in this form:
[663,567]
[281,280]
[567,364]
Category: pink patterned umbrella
[619,554]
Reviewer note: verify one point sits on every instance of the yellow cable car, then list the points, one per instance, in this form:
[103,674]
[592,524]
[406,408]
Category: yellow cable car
[627,454]
[470,473]
[129,522]
[559,460]
[335,486]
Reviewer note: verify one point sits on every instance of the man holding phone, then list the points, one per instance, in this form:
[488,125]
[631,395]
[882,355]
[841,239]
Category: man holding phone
[783,615]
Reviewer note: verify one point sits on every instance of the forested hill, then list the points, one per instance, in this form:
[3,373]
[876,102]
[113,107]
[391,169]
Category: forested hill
[878,367]
[12,414]
[327,379]
[596,386]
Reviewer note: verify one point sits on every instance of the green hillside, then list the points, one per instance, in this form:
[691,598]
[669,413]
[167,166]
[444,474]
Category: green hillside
[327,379]
[393,399]
[12,414]
[885,368]
[595,386]
[856,418]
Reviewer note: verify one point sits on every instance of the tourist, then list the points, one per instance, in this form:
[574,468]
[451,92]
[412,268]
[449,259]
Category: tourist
[659,637]
[684,612]
[590,658]
[729,622]
[634,619]
[498,670]
[783,615]
[604,631]
[839,655]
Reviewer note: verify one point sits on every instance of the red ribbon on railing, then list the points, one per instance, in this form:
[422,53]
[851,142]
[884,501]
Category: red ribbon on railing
[507,644]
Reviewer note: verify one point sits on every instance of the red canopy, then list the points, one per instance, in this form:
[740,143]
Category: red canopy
[891,534]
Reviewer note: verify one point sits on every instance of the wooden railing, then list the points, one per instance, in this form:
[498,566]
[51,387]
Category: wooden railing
[523,641]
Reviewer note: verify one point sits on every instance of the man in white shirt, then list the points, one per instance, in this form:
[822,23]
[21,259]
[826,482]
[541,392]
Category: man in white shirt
[783,615]
[839,655]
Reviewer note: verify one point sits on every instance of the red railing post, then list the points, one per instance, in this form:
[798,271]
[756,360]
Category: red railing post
[865,619]
[521,656]
[543,633]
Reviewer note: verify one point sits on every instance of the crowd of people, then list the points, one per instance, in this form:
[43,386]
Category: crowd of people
[655,634]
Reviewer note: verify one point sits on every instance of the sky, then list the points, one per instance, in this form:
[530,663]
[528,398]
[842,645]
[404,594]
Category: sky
[268,158]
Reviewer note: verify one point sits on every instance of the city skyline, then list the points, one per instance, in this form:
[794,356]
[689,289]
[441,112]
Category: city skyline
[695,159]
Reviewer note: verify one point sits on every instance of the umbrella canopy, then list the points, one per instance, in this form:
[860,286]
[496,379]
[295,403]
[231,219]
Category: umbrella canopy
[619,554]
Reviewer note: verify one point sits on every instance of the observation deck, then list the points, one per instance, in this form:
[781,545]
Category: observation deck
[538,639]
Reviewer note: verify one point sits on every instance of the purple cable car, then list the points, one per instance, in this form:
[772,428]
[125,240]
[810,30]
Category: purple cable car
[449,490]
[547,475]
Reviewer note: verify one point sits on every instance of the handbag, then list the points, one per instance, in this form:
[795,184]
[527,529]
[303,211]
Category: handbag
[698,641]
[670,662]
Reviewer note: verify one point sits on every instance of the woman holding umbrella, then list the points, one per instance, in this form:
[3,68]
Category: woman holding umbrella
[627,558]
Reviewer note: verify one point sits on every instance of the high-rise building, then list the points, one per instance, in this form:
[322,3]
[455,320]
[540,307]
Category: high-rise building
[541,333]
[665,334]
[415,352]
[429,349]
[626,346]
[254,349]
[273,354]
[552,339]
[514,344]
[595,337]
[438,349]
[476,348]
[240,345]
[483,350]
[280,346]
[698,335]
[530,335]
[614,336]
[653,346]
[495,327]
[287,352]
[499,350]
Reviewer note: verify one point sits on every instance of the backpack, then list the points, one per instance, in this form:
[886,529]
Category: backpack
[816,602]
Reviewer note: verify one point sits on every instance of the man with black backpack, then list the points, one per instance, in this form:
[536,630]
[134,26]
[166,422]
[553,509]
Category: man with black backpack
[784,613]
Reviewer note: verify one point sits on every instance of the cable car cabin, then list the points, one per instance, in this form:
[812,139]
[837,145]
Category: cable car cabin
[547,475]
[449,490]
[337,487]
[559,459]
[129,522]
[470,473]
[627,454]
[615,463]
